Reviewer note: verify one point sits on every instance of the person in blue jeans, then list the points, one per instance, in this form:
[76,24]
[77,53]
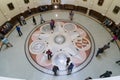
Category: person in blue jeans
[19,31]
[70,68]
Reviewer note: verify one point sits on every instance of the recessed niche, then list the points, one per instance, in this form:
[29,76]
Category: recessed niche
[55,1]
[100,2]
[10,6]
[26,1]
[116,9]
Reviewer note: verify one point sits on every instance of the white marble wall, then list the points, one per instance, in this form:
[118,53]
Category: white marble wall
[2,18]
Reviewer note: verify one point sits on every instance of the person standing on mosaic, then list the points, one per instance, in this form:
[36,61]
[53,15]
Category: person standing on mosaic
[34,20]
[71,14]
[55,70]
[67,61]
[52,24]
[19,30]
[70,68]
[41,19]
[49,54]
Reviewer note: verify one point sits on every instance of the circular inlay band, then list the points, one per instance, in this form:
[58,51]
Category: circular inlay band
[66,40]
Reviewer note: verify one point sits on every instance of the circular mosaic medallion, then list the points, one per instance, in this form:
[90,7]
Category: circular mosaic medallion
[45,28]
[59,39]
[67,40]
[37,47]
[69,26]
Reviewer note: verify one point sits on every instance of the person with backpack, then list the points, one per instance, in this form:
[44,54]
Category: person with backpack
[70,68]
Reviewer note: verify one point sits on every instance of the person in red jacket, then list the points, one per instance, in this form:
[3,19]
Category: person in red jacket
[49,54]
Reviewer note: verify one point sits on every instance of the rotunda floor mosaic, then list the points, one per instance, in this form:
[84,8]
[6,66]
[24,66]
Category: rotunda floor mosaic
[67,40]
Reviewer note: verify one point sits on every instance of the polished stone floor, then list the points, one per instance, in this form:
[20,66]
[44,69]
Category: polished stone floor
[67,40]
[80,38]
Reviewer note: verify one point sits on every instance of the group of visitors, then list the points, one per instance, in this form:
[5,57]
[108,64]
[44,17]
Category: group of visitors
[55,68]
[41,20]
[106,46]
[22,21]
[101,50]
[69,66]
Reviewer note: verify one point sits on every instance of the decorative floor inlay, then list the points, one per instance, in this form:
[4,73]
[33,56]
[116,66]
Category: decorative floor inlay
[67,40]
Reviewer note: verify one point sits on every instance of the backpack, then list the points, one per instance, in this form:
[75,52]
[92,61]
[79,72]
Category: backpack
[71,66]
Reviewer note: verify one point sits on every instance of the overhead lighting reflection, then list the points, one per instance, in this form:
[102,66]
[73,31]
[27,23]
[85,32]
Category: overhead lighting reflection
[55,6]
